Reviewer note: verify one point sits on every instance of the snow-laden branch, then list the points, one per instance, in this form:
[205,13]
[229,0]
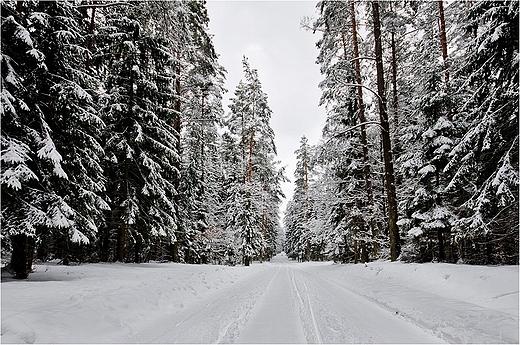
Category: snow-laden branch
[362,58]
[102,5]
[359,85]
[365,87]
[355,127]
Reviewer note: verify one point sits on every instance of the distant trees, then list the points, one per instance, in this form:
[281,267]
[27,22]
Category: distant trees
[297,216]
[110,146]
[256,195]
[454,121]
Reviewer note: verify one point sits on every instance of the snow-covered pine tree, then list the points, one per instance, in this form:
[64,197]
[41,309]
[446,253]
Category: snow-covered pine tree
[427,136]
[258,189]
[231,175]
[202,113]
[345,151]
[388,156]
[484,163]
[59,97]
[141,143]
[297,214]
[23,197]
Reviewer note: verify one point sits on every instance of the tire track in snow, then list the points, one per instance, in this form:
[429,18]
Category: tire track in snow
[275,318]
[347,317]
[216,318]
[317,333]
[244,314]
[443,320]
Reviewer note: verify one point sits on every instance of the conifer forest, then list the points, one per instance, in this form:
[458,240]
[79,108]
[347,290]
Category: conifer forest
[116,146]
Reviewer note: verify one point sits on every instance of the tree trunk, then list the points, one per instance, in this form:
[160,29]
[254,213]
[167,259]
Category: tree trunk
[356,250]
[177,164]
[444,48]
[90,38]
[440,237]
[251,141]
[19,256]
[385,134]
[121,239]
[104,244]
[250,164]
[202,146]
[395,102]
[362,119]
[175,251]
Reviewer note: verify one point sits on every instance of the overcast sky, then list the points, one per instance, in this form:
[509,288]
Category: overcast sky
[269,34]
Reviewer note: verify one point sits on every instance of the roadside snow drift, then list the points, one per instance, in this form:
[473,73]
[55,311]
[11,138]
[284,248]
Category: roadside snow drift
[277,302]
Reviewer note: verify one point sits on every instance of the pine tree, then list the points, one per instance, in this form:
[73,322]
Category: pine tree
[346,132]
[258,189]
[59,97]
[202,113]
[22,195]
[429,136]
[484,163]
[297,214]
[141,143]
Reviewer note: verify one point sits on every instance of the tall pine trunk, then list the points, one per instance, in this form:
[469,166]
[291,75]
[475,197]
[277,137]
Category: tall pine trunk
[395,246]
[395,100]
[444,48]
[177,180]
[121,238]
[307,234]
[362,120]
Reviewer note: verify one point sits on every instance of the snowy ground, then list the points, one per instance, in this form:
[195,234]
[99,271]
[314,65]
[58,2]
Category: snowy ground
[278,302]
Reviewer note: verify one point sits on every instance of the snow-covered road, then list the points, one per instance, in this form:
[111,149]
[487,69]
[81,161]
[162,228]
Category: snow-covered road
[282,303]
[277,302]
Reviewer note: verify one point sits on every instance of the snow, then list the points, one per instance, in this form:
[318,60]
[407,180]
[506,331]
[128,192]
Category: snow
[415,231]
[281,301]
[49,151]
[428,169]
[13,177]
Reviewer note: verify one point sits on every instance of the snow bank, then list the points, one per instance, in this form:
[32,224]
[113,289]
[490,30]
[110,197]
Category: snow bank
[458,303]
[105,303]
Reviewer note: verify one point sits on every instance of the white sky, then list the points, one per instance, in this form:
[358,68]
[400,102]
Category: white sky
[269,34]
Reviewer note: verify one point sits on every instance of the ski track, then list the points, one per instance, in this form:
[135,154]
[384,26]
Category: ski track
[280,300]
[350,318]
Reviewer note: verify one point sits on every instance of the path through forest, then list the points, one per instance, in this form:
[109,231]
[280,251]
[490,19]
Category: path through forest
[284,303]
[281,301]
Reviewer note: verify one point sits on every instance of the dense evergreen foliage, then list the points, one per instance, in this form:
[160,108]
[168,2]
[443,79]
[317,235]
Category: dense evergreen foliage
[115,145]
[110,139]
[453,106]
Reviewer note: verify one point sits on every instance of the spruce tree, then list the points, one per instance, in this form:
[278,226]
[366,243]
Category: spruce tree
[258,190]
[140,140]
[59,97]
[484,163]
[428,138]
